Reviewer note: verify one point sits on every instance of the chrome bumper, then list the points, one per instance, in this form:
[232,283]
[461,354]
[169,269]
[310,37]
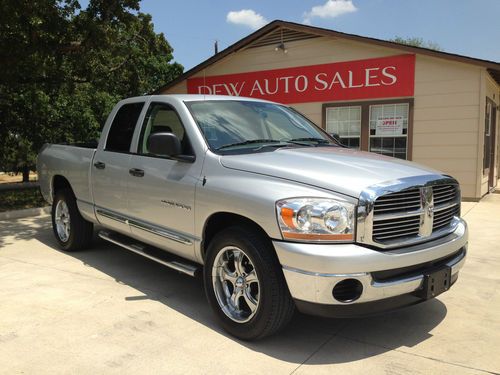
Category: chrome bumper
[312,271]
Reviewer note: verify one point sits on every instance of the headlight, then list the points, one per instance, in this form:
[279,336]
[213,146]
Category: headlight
[316,219]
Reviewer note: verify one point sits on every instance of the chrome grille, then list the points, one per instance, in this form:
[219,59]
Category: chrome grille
[415,213]
[396,228]
[444,217]
[444,194]
[396,202]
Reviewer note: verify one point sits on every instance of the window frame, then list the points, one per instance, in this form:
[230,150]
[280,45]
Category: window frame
[360,124]
[365,119]
[143,128]
[405,136]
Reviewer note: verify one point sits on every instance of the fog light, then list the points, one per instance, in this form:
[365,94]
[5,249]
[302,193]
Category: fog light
[347,290]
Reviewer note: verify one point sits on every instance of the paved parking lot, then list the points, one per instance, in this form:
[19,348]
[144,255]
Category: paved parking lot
[106,310]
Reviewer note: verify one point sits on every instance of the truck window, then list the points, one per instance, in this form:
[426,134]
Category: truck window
[122,129]
[162,118]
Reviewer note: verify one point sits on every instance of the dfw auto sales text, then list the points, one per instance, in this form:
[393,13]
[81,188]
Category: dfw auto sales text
[321,81]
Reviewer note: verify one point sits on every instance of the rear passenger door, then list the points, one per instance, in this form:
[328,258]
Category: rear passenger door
[110,169]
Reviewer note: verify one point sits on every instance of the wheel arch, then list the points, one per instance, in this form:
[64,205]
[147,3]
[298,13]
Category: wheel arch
[60,182]
[221,220]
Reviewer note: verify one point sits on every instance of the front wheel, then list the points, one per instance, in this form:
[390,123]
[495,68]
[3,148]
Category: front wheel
[245,285]
[72,231]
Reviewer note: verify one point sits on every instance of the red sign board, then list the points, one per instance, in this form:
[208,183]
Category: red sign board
[383,77]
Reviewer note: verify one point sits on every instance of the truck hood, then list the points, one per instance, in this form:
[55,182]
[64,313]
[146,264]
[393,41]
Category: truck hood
[333,168]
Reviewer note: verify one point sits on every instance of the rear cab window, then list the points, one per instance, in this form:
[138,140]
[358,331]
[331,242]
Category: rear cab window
[122,128]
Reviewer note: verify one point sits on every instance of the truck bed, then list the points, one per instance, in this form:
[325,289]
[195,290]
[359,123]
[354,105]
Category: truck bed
[71,161]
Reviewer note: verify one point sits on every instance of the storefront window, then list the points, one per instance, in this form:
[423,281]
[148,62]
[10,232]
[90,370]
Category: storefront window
[346,123]
[383,126]
[389,129]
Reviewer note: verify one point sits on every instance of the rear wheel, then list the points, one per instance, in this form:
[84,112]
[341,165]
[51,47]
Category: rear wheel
[245,285]
[71,230]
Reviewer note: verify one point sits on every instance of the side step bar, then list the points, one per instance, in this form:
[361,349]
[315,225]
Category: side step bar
[157,255]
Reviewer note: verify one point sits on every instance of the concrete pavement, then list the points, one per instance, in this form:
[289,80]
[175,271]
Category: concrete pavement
[106,310]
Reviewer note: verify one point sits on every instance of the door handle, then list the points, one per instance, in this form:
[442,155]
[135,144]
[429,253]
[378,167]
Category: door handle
[136,172]
[99,165]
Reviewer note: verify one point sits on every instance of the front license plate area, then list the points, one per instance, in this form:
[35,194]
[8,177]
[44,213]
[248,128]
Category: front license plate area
[435,282]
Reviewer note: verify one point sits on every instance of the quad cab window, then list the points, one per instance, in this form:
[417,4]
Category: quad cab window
[122,129]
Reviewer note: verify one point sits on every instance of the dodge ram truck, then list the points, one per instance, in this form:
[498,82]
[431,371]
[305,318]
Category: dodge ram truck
[271,210]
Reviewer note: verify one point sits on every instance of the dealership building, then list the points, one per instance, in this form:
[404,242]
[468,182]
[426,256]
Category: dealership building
[435,108]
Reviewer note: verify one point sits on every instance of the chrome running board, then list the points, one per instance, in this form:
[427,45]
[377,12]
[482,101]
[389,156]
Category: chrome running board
[157,255]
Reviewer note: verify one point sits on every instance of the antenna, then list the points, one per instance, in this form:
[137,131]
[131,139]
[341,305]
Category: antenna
[216,47]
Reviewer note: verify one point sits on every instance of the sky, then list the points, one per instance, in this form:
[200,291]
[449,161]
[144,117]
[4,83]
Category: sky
[465,27]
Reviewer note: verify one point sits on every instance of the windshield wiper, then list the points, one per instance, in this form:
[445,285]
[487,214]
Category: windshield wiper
[308,139]
[251,141]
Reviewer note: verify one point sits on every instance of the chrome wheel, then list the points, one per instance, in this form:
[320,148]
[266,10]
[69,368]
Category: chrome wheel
[62,220]
[235,283]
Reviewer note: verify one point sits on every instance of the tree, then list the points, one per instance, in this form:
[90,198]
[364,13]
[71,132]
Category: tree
[417,42]
[64,68]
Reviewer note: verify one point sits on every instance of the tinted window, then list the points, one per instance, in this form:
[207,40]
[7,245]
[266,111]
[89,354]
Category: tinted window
[162,118]
[122,128]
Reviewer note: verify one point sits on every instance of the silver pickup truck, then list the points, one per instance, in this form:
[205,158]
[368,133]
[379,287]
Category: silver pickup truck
[274,211]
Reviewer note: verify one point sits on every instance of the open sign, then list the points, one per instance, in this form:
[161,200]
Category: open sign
[389,126]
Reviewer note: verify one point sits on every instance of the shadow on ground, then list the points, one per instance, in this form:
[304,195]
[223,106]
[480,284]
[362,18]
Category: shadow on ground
[11,231]
[367,336]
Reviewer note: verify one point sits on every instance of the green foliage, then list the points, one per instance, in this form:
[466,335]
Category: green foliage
[21,199]
[417,42]
[63,69]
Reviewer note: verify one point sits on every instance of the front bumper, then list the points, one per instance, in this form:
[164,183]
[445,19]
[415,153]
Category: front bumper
[312,271]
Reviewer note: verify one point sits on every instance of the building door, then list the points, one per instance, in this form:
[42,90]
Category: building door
[383,127]
[489,143]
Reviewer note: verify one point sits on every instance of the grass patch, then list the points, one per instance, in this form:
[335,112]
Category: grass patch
[20,199]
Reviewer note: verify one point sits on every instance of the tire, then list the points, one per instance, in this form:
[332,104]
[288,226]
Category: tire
[264,306]
[65,215]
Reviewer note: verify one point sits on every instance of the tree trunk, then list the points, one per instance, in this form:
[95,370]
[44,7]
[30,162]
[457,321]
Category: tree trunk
[26,174]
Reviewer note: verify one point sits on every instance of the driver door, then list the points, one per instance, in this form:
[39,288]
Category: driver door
[161,193]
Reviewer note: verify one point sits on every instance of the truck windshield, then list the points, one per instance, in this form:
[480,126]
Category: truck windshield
[235,126]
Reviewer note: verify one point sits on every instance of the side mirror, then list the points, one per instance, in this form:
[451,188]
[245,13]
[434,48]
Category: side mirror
[164,144]
[167,144]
